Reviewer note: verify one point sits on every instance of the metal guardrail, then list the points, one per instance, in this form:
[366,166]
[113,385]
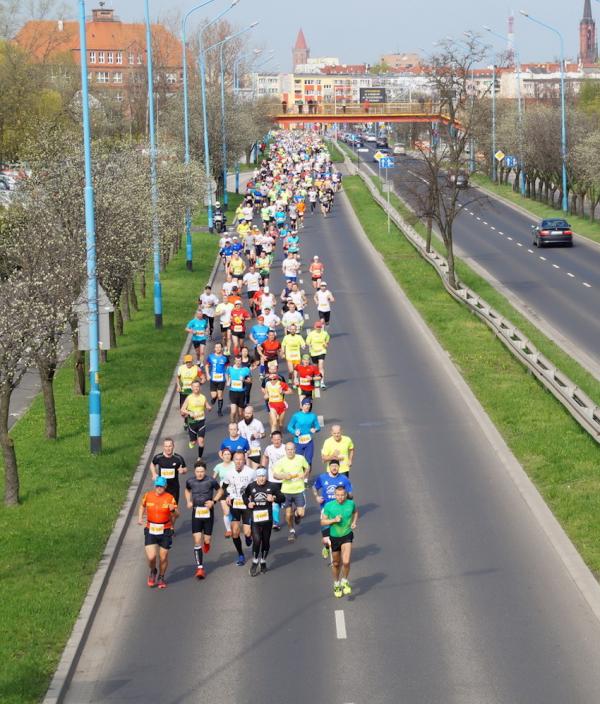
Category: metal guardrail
[583,409]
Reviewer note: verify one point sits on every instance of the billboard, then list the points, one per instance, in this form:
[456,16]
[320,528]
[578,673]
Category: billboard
[372,95]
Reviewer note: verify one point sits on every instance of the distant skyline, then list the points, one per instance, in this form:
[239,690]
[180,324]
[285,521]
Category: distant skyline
[337,28]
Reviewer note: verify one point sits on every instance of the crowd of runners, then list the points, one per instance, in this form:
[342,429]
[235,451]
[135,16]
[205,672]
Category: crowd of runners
[251,341]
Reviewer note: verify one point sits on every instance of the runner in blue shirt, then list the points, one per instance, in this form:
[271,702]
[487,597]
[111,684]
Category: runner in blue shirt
[303,425]
[236,377]
[216,365]
[198,327]
[235,442]
[324,491]
[258,334]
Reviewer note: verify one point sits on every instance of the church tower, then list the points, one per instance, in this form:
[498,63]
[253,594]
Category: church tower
[588,48]
[300,52]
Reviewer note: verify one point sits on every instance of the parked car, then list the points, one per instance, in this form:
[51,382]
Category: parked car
[381,141]
[399,149]
[552,231]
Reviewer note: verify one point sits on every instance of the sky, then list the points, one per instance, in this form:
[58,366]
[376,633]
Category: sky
[355,33]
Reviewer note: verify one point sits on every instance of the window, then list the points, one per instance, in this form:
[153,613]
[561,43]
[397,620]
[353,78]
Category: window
[100,57]
[131,58]
[117,77]
[139,59]
[102,76]
[119,97]
[111,57]
[92,57]
[171,78]
[119,57]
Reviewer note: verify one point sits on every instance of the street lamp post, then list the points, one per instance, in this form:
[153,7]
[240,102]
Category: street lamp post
[563,112]
[519,108]
[221,46]
[95,409]
[158,318]
[186,129]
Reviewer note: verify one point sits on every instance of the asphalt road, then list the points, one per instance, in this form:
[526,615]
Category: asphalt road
[562,285]
[458,594]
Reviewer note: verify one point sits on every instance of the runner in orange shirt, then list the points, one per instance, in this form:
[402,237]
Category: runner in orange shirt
[160,509]
[316,269]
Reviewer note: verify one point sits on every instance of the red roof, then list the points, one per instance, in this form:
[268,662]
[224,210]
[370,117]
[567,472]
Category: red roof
[301,41]
[345,69]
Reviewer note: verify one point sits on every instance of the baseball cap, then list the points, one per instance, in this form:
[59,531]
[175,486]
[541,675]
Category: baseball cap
[188,358]
[306,401]
[160,481]
[323,283]
[305,356]
[261,472]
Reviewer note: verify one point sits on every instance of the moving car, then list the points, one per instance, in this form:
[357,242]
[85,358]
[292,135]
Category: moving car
[399,149]
[381,141]
[552,231]
[460,179]
[370,137]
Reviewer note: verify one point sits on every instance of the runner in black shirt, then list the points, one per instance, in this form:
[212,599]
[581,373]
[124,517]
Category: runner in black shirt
[260,496]
[200,492]
[170,465]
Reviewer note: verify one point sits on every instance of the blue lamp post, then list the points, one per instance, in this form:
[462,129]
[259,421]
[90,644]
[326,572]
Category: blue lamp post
[519,108]
[158,317]
[221,46]
[186,128]
[95,409]
[563,112]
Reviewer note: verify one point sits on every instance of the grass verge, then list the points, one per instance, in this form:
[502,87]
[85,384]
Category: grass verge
[582,226]
[336,155]
[52,542]
[559,456]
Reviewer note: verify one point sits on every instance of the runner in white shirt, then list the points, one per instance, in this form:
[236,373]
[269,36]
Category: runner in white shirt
[271,455]
[298,296]
[228,285]
[268,299]
[223,310]
[290,267]
[236,480]
[253,430]
[208,303]
[251,281]
[272,320]
[292,317]
[323,299]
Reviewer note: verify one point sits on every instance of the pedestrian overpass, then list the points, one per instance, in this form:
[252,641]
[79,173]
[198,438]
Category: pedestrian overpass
[354,113]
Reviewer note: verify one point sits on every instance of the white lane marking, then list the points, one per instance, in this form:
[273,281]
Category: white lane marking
[306,316]
[340,625]
[571,275]
[301,281]
[510,238]
[484,222]
[321,421]
[492,227]
[530,251]
[586,285]
[478,217]
[556,266]
[500,232]
[519,244]
[543,258]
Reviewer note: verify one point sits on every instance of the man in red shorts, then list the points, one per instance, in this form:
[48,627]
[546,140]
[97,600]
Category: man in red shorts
[305,375]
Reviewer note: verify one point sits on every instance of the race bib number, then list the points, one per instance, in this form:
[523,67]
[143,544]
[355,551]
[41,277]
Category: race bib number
[305,439]
[237,384]
[156,529]
[217,376]
[239,503]
[260,516]
[202,512]
[168,473]
[238,328]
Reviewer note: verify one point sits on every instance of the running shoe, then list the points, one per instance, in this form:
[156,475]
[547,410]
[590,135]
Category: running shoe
[346,588]
[152,579]
[241,561]
[228,534]
[206,547]
[200,573]
[254,569]
[161,583]
[325,552]
[292,536]
[191,445]
[263,567]
[337,591]
[277,527]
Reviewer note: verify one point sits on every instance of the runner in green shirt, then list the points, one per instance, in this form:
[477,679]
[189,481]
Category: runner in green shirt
[341,515]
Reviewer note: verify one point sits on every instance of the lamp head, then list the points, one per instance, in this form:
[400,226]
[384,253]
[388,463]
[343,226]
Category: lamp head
[525,14]
[254,24]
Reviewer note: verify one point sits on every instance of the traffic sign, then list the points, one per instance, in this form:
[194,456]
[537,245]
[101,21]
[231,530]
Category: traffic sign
[378,155]
[386,162]
[499,155]
[510,162]
[362,149]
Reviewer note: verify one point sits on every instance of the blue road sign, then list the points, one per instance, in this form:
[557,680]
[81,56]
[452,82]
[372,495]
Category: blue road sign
[510,162]
[386,162]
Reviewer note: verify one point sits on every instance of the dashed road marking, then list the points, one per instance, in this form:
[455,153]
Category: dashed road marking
[484,222]
[586,284]
[301,281]
[571,275]
[543,258]
[478,217]
[556,266]
[321,421]
[530,251]
[492,227]
[519,244]
[510,238]
[306,316]
[500,232]
[340,625]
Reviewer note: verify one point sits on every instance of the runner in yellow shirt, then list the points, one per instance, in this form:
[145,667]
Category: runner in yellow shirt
[318,342]
[194,410]
[292,346]
[339,447]
[236,266]
[186,374]
[292,471]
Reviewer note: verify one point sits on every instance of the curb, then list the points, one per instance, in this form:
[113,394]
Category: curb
[523,211]
[70,656]
[576,568]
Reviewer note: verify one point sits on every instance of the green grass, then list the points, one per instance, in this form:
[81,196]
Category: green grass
[560,457]
[582,226]
[336,155]
[52,542]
